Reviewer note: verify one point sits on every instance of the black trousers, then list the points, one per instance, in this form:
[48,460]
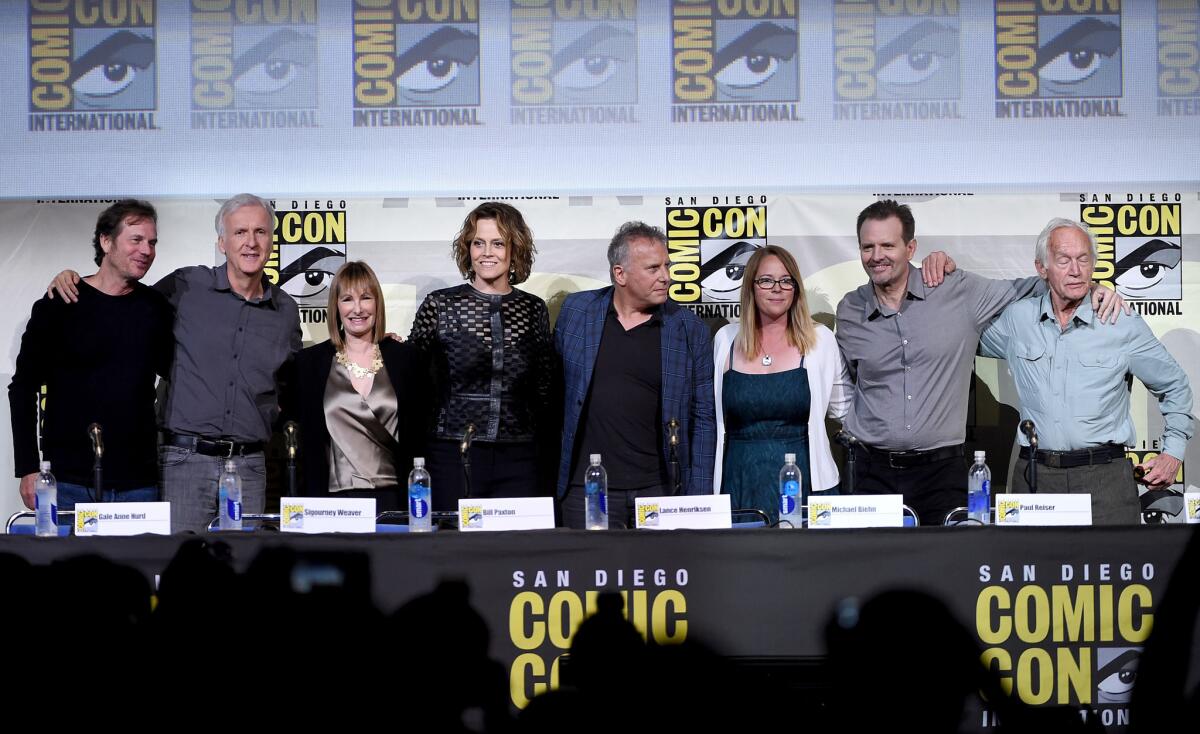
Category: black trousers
[497,470]
[932,490]
[387,499]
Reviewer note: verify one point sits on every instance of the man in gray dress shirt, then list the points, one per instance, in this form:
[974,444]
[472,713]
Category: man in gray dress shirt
[910,348]
[234,330]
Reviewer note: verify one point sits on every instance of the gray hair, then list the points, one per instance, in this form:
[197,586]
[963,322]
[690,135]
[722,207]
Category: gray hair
[1042,252]
[618,249]
[240,201]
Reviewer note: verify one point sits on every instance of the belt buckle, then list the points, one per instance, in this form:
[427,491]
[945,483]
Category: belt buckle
[1054,459]
[893,455]
[231,444]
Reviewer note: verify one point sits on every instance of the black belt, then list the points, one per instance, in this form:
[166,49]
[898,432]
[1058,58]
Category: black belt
[222,447]
[910,459]
[1083,457]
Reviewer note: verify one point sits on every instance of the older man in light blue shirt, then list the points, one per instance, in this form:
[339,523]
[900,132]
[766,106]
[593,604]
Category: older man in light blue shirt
[1072,374]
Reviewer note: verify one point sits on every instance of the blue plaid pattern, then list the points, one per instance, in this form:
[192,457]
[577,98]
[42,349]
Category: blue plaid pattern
[687,389]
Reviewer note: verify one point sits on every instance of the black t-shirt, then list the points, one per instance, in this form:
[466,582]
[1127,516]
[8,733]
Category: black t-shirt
[98,359]
[622,418]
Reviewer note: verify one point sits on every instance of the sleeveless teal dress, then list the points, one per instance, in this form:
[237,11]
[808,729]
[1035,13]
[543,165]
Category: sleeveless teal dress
[766,416]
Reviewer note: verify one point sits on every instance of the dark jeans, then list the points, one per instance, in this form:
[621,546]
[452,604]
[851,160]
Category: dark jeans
[932,490]
[497,470]
[1114,492]
[621,504]
[387,499]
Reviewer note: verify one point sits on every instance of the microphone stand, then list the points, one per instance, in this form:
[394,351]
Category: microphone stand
[673,455]
[847,440]
[289,435]
[1030,431]
[97,456]
[464,450]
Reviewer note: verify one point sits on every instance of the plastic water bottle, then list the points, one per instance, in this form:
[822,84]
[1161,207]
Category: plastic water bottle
[229,497]
[789,493]
[979,490]
[595,496]
[46,502]
[419,520]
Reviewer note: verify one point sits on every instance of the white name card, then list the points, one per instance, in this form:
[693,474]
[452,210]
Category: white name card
[1191,504]
[1043,509]
[327,514]
[506,513]
[696,512]
[122,518]
[856,511]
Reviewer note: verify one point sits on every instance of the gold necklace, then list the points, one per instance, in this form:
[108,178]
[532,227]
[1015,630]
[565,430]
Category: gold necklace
[358,371]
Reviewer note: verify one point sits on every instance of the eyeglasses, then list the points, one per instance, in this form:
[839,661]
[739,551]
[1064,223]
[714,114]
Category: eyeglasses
[767,283]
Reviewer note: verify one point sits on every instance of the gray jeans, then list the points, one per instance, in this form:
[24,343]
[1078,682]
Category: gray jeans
[189,483]
[1114,492]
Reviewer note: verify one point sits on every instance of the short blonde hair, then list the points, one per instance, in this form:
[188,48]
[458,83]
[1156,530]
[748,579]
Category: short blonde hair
[355,276]
[800,329]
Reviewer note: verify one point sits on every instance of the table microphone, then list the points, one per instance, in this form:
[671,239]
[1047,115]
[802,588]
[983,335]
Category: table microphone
[97,440]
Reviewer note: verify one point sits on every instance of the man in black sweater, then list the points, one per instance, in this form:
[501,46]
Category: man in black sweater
[97,361]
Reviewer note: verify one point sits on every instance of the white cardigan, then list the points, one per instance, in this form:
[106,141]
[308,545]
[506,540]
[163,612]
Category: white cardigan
[830,390]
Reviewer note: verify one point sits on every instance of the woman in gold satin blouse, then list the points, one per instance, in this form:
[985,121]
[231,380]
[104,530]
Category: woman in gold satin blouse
[360,399]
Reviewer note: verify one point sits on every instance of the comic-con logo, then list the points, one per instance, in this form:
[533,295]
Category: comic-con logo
[416,63]
[1193,509]
[1139,246]
[889,56]
[1067,634]
[1178,58]
[253,63]
[1058,58]
[709,247]
[734,60]
[549,604]
[309,247]
[471,516]
[292,516]
[91,65]
[579,58]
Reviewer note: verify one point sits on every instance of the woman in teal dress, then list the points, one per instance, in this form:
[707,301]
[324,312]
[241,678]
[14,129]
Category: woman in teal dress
[778,374]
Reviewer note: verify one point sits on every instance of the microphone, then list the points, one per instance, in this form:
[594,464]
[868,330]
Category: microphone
[97,441]
[289,434]
[845,438]
[468,435]
[673,432]
[1030,430]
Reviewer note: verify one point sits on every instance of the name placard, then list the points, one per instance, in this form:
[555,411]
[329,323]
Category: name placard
[1043,509]
[122,518]
[1191,504]
[505,513]
[856,511]
[696,512]
[327,514]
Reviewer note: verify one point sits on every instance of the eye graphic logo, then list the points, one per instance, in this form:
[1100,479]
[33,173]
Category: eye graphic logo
[437,65]
[1139,252]
[709,248]
[84,60]
[311,247]
[1059,53]
[1008,511]
[293,516]
[895,51]
[253,56]
[1116,673]
[471,516]
[734,52]
[573,53]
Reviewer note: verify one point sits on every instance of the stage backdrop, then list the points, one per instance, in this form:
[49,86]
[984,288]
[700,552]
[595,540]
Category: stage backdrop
[1146,239]
[377,97]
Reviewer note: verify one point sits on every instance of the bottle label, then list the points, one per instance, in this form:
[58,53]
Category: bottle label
[592,491]
[418,503]
[233,509]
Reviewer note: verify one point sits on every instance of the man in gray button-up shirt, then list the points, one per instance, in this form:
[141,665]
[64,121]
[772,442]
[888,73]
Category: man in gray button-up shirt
[910,349]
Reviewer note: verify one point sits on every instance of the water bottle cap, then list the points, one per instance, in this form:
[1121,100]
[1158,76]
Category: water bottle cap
[595,459]
[45,466]
[789,458]
[418,461]
[980,455]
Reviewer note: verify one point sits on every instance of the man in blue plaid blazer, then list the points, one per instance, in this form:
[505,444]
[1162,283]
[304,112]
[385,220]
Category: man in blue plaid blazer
[637,369]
